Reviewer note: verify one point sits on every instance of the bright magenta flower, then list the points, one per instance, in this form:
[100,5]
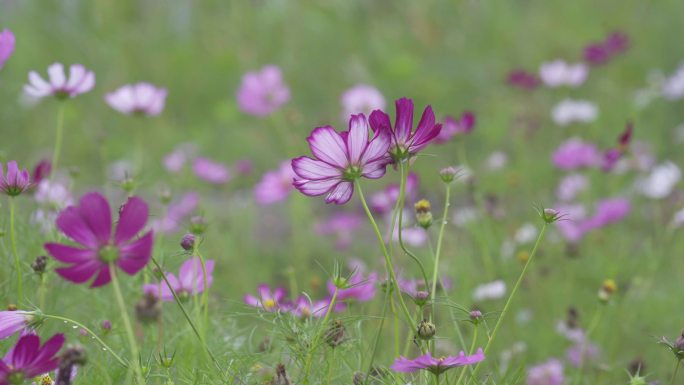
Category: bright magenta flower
[16,181]
[436,365]
[28,359]
[90,225]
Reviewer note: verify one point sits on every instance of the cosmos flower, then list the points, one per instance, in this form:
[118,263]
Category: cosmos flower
[341,159]
[303,307]
[489,291]
[361,99]
[673,85]
[210,171]
[405,141]
[660,182]
[575,153]
[601,52]
[523,79]
[582,350]
[12,322]
[546,373]
[138,99]
[357,288]
[80,81]
[53,195]
[90,225]
[176,213]
[190,280]
[16,181]
[7,42]
[275,186]
[559,73]
[452,127]
[608,211]
[174,161]
[41,171]
[262,92]
[269,300]
[28,359]
[570,111]
[570,186]
[436,365]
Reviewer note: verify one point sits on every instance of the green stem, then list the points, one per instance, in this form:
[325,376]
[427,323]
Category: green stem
[205,293]
[470,352]
[499,322]
[438,251]
[376,341]
[80,325]
[127,325]
[674,375]
[592,325]
[330,365]
[59,133]
[17,263]
[317,337]
[402,197]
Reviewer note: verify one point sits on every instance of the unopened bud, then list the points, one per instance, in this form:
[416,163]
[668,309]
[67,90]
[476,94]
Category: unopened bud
[448,174]
[550,215]
[426,330]
[198,225]
[188,242]
[128,184]
[165,196]
[421,298]
[679,343]
[423,213]
[106,326]
[39,265]
[475,316]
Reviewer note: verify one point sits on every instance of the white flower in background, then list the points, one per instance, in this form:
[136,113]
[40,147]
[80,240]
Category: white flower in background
[673,86]
[464,215]
[574,111]
[497,160]
[526,233]
[559,73]
[678,219]
[53,195]
[487,291]
[570,186]
[660,182]
[507,248]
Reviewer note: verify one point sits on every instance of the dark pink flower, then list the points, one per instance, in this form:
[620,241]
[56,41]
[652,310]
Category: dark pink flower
[275,186]
[7,42]
[269,300]
[16,181]
[12,322]
[138,99]
[612,155]
[523,79]
[405,141]
[80,81]
[575,153]
[190,280]
[341,158]
[452,127]
[41,171]
[90,225]
[27,359]
[210,171]
[263,92]
[436,365]
[598,53]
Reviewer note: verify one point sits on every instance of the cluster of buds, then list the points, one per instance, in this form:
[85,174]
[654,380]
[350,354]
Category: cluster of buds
[607,290]
[423,213]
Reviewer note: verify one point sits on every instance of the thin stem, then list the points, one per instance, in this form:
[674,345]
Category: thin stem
[470,352]
[402,197]
[17,263]
[388,260]
[330,365]
[59,133]
[674,375]
[205,292]
[499,322]
[127,325]
[376,341]
[438,251]
[317,337]
[80,325]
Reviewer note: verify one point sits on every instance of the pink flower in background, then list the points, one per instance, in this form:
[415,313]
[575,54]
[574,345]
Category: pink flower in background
[559,73]
[383,201]
[546,373]
[341,225]
[341,158]
[138,99]
[244,167]
[436,365]
[190,280]
[660,181]
[570,111]
[174,161]
[611,156]
[405,141]
[79,81]
[53,195]
[411,235]
[598,53]
[275,186]
[523,79]
[672,87]
[359,288]
[582,350]
[90,225]
[12,322]
[28,359]
[176,213]
[361,99]
[576,225]
[269,300]
[608,211]
[452,127]
[262,92]
[570,186]
[302,307]
[16,181]
[7,42]
[41,171]
[210,171]
[575,153]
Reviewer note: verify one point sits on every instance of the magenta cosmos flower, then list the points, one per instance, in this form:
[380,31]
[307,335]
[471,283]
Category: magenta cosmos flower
[12,322]
[546,373]
[16,181]
[90,225]
[190,280]
[262,92]
[138,99]
[211,171]
[79,81]
[275,186]
[6,46]
[28,359]
[523,79]
[436,365]
[453,127]
[341,159]
[269,300]
[601,52]
[405,141]
[575,153]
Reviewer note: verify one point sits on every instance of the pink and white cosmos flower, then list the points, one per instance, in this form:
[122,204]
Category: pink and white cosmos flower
[138,99]
[79,81]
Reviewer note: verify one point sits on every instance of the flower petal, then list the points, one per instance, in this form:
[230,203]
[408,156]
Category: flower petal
[25,350]
[56,74]
[95,211]
[73,226]
[341,193]
[315,187]
[357,140]
[135,255]
[308,168]
[327,145]
[103,277]
[81,272]
[132,219]
[404,122]
[69,254]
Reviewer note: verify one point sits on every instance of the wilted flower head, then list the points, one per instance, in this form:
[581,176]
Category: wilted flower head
[210,171]
[575,153]
[559,73]
[16,181]
[361,99]
[341,158]
[405,141]
[138,99]
[79,81]
[12,322]
[453,127]
[570,111]
[269,300]
[28,359]
[6,45]
[190,280]
[90,225]
[436,365]
[546,373]
[262,92]
[523,79]
[276,185]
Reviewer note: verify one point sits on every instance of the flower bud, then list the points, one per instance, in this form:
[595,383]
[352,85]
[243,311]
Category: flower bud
[550,215]
[448,174]
[335,335]
[421,298]
[426,330]
[475,316]
[11,307]
[198,225]
[423,213]
[128,184]
[608,288]
[188,242]
[679,343]
[39,265]
[106,326]
[165,196]
[71,357]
